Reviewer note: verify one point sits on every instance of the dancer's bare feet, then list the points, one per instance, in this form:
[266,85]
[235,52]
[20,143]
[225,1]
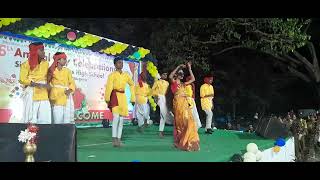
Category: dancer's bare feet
[161,134]
[140,129]
[114,142]
[119,143]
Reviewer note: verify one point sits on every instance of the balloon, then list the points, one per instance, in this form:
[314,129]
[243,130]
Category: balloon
[5,22]
[60,28]
[118,51]
[46,35]
[83,45]
[154,68]
[135,55]
[259,155]
[36,33]
[249,155]
[276,149]
[80,41]
[53,33]
[28,33]
[280,142]
[252,147]
[76,43]
[41,28]
[85,42]
[158,76]
[249,160]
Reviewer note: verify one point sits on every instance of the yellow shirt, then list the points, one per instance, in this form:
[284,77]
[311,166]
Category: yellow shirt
[118,81]
[206,102]
[62,78]
[39,73]
[142,93]
[189,93]
[160,87]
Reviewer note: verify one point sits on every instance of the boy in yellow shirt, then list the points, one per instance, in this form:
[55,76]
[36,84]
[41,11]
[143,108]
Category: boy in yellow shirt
[207,95]
[33,76]
[142,107]
[63,85]
[116,99]
[159,91]
[191,95]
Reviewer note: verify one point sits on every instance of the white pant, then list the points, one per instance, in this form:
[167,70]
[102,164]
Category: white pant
[134,112]
[41,112]
[37,112]
[142,113]
[209,114]
[164,115]
[64,114]
[195,114]
[117,125]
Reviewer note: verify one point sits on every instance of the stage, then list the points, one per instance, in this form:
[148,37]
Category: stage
[95,145]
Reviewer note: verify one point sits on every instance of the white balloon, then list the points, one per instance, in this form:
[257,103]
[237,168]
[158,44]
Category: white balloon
[150,122]
[252,147]
[249,155]
[259,155]
[158,76]
[249,160]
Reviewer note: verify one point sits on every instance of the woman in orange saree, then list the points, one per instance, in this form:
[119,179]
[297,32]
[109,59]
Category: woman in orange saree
[185,129]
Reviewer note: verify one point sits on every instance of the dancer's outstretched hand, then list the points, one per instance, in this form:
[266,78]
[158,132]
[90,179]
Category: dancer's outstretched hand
[182,65]
[67,92]
[189,64]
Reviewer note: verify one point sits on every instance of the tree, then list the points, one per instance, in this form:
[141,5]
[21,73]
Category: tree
[304,68]
[200,37]
[172,40]
[281,38]
[247,83]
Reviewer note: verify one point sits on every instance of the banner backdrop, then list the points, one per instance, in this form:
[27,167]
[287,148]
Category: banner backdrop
[90,71]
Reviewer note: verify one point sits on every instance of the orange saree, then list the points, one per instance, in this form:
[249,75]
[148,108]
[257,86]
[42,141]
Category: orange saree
[185,130]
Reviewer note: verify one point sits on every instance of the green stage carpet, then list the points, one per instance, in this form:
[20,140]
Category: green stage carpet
[94,145]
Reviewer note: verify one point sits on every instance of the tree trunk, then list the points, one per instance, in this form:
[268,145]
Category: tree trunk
[262,111]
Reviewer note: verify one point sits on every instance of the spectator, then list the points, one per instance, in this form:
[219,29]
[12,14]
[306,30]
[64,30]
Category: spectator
[250,130]
[239,128]
[229,126]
